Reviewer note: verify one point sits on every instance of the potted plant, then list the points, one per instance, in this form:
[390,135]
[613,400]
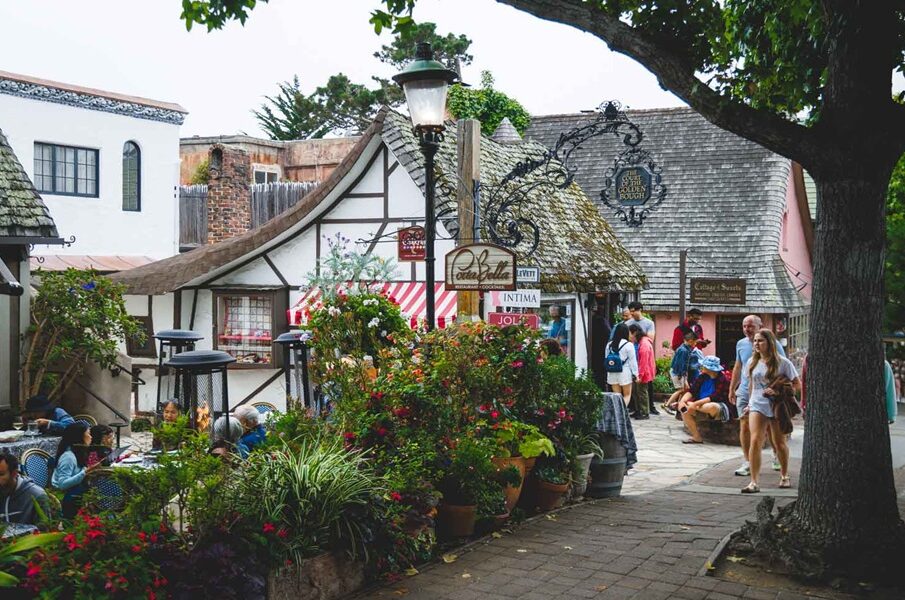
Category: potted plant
[587,449]
[552,485]
[517,444]
[469,470]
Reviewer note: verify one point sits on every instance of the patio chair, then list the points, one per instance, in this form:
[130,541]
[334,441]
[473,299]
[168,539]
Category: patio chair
[36,464]
[87,419]
[102,492]
[264,407]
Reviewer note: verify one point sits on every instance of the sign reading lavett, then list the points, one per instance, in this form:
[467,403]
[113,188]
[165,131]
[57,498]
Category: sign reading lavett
[527,274]
[718,291]
[504,319]
[410,244]
[480,267]
[516,299]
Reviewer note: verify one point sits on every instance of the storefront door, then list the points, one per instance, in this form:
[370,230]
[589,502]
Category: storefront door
[728,332]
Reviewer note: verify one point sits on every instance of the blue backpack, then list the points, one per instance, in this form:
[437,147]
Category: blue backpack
[613,360]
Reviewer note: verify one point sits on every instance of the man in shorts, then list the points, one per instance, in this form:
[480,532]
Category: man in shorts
[744,348]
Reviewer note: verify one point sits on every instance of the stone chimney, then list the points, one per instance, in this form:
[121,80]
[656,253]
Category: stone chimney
[228,193]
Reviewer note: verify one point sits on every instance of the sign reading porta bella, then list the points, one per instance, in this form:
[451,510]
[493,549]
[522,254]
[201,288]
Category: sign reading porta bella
[717,291]
[480,267]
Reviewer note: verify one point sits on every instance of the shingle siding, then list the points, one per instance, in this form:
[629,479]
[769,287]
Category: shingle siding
[726,197]
[22,212]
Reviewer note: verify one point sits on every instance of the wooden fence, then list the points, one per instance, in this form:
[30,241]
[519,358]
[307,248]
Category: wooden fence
[267,201]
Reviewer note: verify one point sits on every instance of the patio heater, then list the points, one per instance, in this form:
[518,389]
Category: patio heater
[295,368]
[204,390]
[172,342]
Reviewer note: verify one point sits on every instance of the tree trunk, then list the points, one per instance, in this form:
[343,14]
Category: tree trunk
[847,498]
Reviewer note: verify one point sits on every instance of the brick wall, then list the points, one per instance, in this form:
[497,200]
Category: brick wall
[228,194]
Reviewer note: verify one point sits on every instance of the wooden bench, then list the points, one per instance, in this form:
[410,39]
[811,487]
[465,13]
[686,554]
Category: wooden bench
[715,431]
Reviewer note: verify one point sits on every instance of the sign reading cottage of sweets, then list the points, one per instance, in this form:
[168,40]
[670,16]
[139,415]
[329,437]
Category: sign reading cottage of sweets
[717,291]
[480,267]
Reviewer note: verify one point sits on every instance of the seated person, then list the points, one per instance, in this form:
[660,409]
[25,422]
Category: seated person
[226,434]
[102,438]
[170,415]
[18,494]
[68,475]
[684,368]
[50,419]
[254,433]
[708,395]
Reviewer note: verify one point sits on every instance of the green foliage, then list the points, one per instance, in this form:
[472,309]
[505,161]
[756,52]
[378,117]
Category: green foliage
[140,424]
[663,384]
[487,105]
[13,552]
[77,317]
[214,14]
[201,175]
[895,250]
[346,270]
[448,49]
[663,365]
[551,474]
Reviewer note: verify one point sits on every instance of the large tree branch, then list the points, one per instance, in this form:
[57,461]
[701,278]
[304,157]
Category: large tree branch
[676,73]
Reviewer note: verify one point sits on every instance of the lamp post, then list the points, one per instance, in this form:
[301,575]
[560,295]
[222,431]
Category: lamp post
[172,342]
[425,83]
[295,359]
[205,391]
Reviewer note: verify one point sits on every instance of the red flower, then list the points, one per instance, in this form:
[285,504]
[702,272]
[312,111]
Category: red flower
[282,534]
[517,364]
[142,536]
[562,413]
[163,528]
[396,496]
[70,541]
[349,436]
[93,534]
[269,528]
[393,300]
[494,414]
[153,538]
[402,411]
[136,548]
[381,431]
[33,570]
[288,562]
[151,594]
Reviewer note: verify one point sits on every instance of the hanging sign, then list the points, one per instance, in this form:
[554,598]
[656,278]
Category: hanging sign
[633,186]
[717,291]
[410,244]
[480,267]
[502,319]
[527,275]
[516,299]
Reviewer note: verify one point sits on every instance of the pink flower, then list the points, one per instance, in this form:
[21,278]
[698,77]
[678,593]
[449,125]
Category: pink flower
[494,414]
[34,570]
[269,528]
[518,364]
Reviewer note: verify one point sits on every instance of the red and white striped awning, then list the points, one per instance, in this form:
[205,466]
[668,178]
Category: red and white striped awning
[409,295]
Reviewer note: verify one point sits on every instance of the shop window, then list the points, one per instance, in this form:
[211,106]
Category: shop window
[245,326]
[564,329]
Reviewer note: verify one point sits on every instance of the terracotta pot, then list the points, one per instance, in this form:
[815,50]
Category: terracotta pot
[529,463]
[512,492]
[580,485]
[454,520]
[550,495]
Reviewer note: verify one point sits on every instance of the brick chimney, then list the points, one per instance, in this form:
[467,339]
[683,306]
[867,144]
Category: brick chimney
[228,193]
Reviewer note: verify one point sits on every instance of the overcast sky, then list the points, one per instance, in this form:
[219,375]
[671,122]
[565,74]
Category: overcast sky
[142,48]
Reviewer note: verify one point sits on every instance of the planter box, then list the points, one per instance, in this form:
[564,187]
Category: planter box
[324,577]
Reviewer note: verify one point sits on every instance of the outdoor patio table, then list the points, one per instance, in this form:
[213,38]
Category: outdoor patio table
[615,420]
[48,443]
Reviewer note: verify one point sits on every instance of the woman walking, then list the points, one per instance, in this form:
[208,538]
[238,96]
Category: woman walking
[621,363]
[768,372]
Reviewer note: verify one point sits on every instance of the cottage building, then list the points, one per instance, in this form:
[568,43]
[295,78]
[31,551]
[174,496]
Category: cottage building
[741,212]
[106,164]
[24,220]
[242,292]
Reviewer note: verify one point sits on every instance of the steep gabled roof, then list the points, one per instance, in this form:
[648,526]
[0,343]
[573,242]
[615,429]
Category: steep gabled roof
[726,197]
[578,250]
[22,212]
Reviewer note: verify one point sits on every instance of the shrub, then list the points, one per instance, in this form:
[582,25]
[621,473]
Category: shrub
[663,384]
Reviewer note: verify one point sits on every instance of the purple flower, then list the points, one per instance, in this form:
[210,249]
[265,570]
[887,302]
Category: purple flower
[89,286]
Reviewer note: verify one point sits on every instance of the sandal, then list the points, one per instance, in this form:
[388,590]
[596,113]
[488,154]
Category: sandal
[751,488]
[692,441]
[785,482]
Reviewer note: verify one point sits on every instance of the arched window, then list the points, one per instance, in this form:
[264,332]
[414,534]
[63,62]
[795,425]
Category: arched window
[131,177]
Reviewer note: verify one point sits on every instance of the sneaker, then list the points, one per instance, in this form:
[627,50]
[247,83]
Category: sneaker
[744,470]
[776,465]
[655,412]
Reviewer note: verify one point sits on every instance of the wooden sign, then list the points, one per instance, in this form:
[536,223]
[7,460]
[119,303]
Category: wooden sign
[717,291]
[633,186]
[410,244]
[502,319]
[480,267]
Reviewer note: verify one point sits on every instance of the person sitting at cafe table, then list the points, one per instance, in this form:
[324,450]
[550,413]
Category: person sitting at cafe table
[68,475]
[19,495]
[102,438]
[50,419]
[225,437]
[170,415]
[254,432]
[708,395]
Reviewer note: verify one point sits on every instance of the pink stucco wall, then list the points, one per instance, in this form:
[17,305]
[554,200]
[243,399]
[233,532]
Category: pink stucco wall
[666,322]
[792,245]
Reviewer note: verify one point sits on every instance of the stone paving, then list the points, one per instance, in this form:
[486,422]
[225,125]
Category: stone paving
[649,544]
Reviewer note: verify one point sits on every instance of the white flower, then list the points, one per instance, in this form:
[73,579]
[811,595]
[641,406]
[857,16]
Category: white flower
[383,333]
[334,312]
[370,302]
[374,322]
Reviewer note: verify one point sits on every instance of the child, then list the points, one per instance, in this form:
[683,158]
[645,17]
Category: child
[102,438]
[684,368]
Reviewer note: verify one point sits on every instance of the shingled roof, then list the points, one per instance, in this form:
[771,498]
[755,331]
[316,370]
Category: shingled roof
[22,212]
[578,250]
[726,197]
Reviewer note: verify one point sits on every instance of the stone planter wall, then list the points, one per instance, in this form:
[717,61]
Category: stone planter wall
[324,577]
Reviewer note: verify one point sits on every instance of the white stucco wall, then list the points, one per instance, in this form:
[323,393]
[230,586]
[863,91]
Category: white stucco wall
[100,225]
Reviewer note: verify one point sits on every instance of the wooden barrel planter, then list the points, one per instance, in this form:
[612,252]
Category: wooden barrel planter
[608,472]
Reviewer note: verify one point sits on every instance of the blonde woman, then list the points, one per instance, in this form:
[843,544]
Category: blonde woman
[765,366]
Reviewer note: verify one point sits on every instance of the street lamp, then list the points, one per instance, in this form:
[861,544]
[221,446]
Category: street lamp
[295,360]
[425,83]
